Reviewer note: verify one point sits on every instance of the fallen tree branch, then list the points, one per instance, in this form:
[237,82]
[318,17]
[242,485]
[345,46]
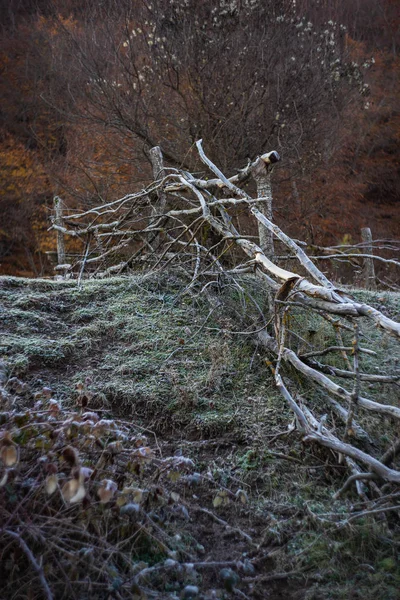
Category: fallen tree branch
[388,261]
[291,357]
[352,479]
[321,429]
[391,453]
[330,349]
[328,294]
[189,223]
[300,254]
[371,377]
[343,448]
[339,410]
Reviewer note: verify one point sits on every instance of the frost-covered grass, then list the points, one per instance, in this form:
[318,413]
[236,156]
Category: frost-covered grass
[139,341]
[172,363]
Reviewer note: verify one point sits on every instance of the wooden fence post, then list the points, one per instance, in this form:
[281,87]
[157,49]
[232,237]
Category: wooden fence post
[58,220]
[262,175]
[368,270]
[157,162]
[264,190]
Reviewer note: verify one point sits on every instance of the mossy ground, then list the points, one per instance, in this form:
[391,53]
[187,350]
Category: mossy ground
[173,363]
[142,346]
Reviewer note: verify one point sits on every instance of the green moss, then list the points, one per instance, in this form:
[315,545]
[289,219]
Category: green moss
[388,565]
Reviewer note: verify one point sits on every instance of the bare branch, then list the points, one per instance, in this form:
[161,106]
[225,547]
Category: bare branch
[36,566]
[291,357]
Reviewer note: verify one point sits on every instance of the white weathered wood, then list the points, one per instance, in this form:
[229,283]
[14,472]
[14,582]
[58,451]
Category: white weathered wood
[334,371]
[374,465]
[157,163]
[344,255]
[197,207]
[330,299]
[301,255]
[324,381]
[224,180]
[318,427]
[342,413]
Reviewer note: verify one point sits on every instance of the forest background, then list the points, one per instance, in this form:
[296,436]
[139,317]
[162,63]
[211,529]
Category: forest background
[89,87]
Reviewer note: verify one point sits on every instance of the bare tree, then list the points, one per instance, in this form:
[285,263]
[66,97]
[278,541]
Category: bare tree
[244,75]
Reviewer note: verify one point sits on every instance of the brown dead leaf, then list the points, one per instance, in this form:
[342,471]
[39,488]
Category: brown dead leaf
[4,479]
[70,455]
[106,490]
[51,484]
[9,454]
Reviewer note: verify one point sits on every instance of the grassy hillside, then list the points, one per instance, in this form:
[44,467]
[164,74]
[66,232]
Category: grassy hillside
[180,367]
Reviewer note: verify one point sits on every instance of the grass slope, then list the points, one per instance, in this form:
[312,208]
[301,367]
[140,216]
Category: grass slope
[172,363]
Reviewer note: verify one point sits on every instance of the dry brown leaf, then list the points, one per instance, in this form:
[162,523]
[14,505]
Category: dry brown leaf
[121,501]
[69,489]
[221,499]
[140,441]
[54,406]
[73,491]
[80,494]
[137,495]
[115,447]
[175,497]
[90,416]
[5,438]
[9,455]
[51,484]
[242,496]
[144,454]
[130,494]
[106,490]
[70,456]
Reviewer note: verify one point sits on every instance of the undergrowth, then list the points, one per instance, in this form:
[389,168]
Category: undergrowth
[192,437]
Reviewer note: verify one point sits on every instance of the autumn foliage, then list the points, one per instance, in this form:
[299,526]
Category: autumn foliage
[88,88]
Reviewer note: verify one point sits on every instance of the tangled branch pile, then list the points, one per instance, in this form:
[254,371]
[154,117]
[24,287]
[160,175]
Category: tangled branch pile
[82,491]
[189,220]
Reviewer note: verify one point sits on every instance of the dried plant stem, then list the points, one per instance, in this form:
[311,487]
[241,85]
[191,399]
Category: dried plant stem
[352,479]
[226,525]
[35,565]
[353,400]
